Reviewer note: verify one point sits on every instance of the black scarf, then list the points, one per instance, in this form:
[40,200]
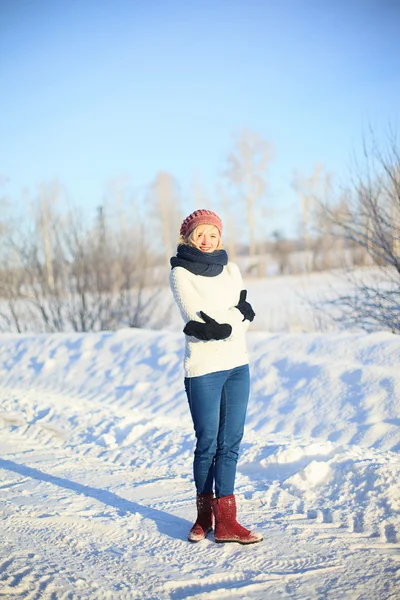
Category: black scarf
[198,262]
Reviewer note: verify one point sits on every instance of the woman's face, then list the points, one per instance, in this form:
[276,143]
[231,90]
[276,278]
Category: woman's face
[205,238]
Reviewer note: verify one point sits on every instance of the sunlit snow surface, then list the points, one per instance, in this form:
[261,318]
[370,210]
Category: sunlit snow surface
[95,470]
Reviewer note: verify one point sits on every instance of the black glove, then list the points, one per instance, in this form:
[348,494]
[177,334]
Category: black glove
[245,307]
[210,330]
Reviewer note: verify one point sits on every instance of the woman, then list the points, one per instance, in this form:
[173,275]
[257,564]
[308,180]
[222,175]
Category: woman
[208,291]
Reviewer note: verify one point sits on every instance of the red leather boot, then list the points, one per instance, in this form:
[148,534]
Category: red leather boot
[227,529]
[204,521]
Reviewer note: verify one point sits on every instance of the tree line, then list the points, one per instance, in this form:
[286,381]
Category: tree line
[62,269]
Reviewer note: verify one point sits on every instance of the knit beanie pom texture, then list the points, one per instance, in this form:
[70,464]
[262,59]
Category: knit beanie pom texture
[200,217]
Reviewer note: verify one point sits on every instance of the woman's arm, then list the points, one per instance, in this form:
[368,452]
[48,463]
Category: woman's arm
[190,302]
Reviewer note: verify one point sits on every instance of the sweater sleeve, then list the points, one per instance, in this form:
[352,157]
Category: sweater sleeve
[190,302]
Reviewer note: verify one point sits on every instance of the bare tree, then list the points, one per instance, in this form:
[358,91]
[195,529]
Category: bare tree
[4,220]
[370,222]
[281,251]
[314,227]
[99,279]
[230,227]
[164,200]
[246,173]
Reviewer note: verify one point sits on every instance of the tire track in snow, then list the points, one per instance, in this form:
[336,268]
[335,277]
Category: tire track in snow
[275,496]
[113,550]
[61,564]
[93,544]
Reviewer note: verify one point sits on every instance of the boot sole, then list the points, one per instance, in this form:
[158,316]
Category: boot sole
[238,542]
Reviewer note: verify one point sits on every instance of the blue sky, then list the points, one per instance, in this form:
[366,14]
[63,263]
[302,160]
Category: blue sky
[96,90]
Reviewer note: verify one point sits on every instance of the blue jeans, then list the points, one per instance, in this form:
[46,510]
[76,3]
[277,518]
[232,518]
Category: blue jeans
[218,405]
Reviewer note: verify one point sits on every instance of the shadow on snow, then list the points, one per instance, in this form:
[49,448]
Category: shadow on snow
[169,525]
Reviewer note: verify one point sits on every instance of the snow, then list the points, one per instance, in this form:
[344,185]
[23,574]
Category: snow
[96,484]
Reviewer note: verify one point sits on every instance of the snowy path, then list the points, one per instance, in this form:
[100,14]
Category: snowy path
[95,482]
[127,538]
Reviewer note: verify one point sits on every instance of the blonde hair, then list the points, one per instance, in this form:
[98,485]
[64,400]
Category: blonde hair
[188,240]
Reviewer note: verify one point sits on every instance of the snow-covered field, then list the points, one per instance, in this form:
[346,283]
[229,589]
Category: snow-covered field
[95,470]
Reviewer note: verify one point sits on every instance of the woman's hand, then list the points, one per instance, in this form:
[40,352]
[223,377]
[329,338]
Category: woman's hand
[209,330]
[245,307]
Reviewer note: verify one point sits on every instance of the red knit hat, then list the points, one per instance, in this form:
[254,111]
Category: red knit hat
[200,217]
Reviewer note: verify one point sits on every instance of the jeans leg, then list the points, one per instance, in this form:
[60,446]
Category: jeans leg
[234,400]
[204,394]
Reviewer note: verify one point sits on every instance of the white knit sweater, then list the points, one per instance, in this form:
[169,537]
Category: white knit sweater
[217,297]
